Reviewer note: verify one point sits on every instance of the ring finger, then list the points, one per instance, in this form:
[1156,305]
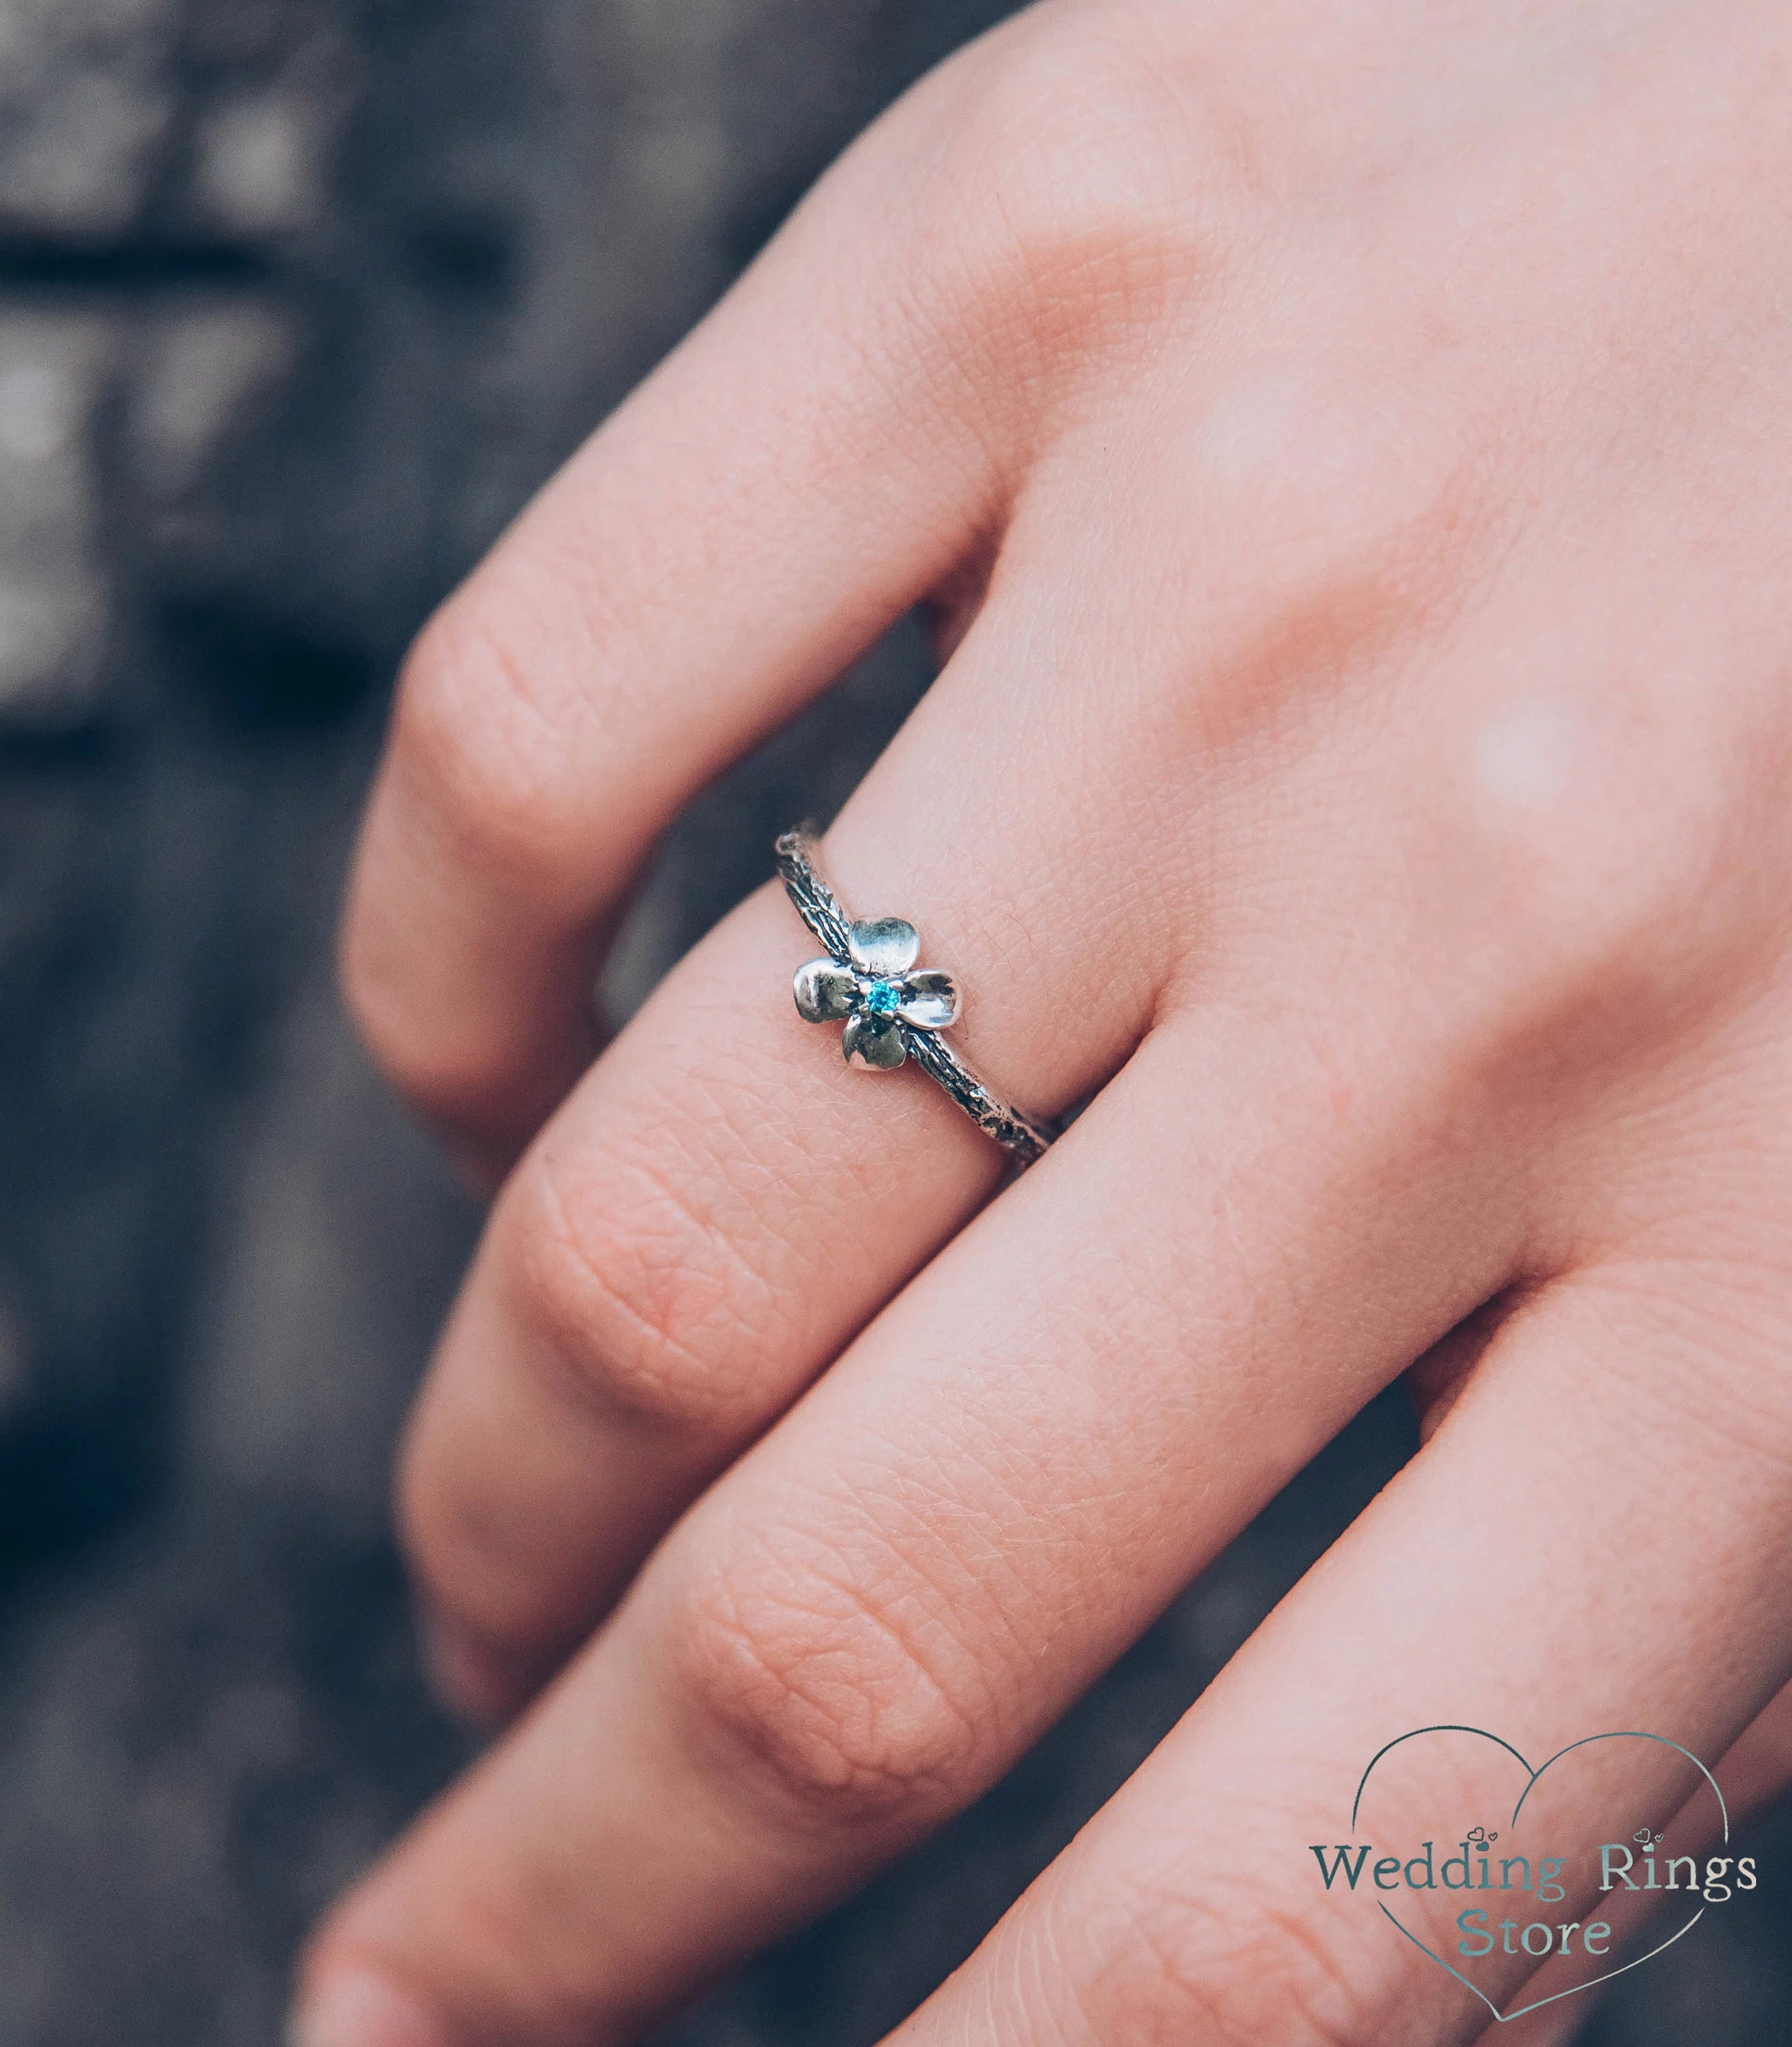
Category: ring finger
[720,1206]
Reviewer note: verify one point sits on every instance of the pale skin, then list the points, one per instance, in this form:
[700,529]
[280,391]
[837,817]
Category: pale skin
[1351,444]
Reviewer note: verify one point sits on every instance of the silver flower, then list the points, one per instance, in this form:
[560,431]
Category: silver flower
[875,990]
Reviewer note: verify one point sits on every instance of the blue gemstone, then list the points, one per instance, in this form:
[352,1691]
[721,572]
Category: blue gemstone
[883,998]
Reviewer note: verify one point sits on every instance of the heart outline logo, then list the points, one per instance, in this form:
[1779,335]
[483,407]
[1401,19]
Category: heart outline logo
[1586,1741]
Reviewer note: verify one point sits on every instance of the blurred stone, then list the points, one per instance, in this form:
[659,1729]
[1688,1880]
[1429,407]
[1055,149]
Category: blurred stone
[258,165]
[43,404]
[84,108]
[201,366]
[57,373]
[51,630]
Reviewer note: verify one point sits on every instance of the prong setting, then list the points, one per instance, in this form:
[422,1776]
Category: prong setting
[878,1000]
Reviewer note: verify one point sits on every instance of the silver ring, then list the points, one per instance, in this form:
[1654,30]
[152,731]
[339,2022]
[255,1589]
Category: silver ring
[893,1011]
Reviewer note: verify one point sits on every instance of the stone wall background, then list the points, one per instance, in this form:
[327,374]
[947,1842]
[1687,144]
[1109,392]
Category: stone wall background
[298,299]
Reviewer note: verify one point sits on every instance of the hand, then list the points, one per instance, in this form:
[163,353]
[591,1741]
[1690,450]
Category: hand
[1355,440]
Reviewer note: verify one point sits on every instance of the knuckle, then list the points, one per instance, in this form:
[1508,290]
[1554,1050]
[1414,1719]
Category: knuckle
[462,1550]
[382,1007]
[439,1063]
[1593,870]
[472,731]
[1353,510]
[445,1074]
[1072,259]
[1376,528]
[816,1697]
[646,1301]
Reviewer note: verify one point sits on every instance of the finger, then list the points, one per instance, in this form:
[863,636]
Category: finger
[1010,1474]
[721,1205]
[805,467]
[1755,1773]
[1488,1584]
[714,1214]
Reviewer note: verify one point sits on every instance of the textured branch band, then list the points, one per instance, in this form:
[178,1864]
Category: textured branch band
[891,1013]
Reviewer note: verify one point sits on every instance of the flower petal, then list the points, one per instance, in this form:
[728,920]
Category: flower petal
[870,1041]
[885,948]
[930,1000]
[824,991]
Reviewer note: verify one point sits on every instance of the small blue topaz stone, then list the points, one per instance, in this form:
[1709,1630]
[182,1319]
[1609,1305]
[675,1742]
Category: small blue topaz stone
[877,992]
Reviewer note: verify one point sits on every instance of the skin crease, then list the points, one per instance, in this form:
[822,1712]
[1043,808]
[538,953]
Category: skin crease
[1350,449]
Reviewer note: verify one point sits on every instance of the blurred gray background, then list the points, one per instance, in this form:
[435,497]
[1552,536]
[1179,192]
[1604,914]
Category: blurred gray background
[298,299]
